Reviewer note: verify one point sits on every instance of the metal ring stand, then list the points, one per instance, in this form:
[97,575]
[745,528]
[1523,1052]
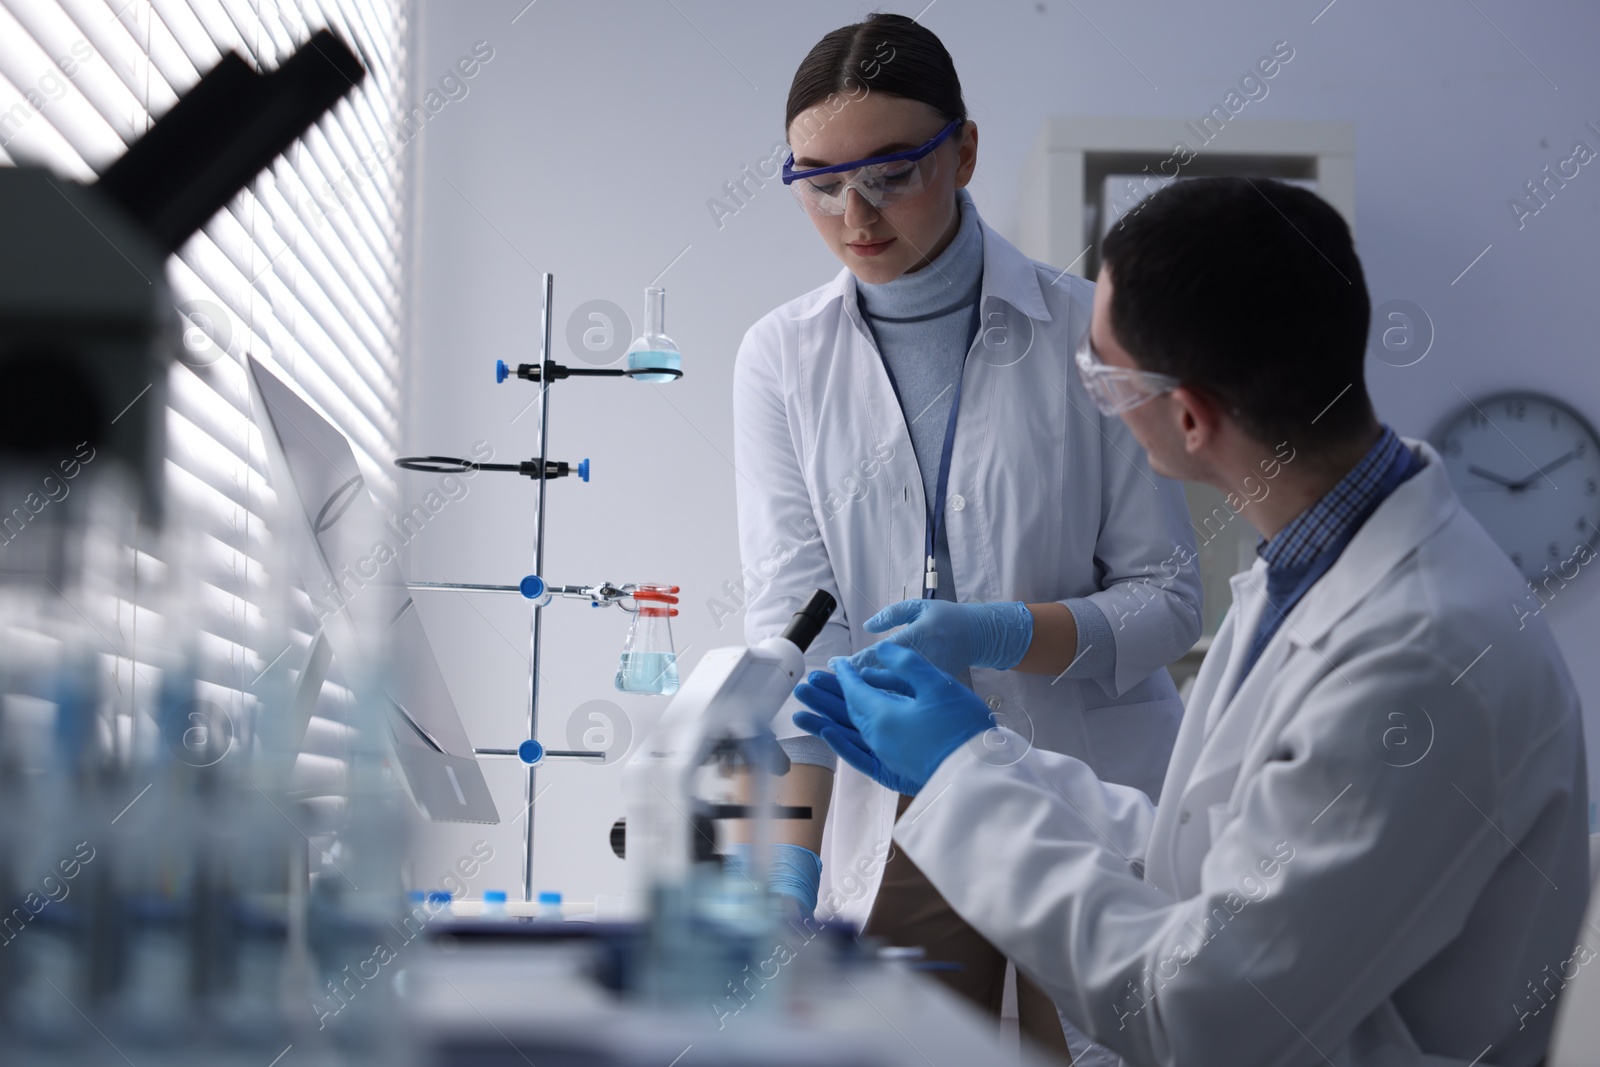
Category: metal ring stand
[531,752]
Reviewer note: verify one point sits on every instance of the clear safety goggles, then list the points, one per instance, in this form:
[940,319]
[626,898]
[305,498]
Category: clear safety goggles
[1115,390]
[880,181]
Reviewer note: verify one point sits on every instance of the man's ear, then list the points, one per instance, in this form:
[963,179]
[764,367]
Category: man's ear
[1199,417]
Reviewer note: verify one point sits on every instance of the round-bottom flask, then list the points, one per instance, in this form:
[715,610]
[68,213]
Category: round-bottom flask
[653,350]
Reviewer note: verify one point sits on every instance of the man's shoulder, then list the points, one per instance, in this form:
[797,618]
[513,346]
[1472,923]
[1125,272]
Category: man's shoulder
[1457,600]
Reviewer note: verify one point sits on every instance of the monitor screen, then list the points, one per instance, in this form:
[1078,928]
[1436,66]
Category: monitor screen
[352,571]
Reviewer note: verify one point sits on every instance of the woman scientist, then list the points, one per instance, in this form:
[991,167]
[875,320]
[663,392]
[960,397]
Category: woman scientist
[912,436]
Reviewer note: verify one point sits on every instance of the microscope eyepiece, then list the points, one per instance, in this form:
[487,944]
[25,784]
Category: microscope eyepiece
[809,620]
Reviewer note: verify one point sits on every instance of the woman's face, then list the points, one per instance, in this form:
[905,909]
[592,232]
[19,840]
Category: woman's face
[879,246]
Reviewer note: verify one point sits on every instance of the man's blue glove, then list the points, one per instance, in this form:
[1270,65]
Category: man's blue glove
[908,714]
[954,636]
[830,721]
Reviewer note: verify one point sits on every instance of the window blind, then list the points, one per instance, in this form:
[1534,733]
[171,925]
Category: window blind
[306,267]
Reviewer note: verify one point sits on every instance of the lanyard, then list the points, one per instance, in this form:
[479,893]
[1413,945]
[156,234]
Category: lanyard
[935,516]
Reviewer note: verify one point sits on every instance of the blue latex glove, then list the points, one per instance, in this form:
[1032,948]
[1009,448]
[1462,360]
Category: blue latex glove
[954,636]
[830,720]
[908,713]
[795,872]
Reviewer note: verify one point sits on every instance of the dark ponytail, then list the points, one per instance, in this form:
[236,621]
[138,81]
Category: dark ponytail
[887,54]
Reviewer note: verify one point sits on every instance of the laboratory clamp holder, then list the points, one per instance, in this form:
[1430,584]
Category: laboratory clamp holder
[648,662]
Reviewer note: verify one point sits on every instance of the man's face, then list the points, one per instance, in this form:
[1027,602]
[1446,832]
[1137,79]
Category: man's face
[1157,423]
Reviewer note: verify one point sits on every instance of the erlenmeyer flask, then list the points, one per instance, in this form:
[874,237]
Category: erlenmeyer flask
[653,349]
[649,663]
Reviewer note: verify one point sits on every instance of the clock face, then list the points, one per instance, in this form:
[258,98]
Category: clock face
[1528,468]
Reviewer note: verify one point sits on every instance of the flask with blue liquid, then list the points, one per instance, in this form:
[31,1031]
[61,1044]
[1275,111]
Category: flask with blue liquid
[649,662]
[653,350]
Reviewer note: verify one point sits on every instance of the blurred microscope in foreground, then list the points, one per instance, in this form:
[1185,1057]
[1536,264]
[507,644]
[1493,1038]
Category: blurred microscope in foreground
[156,901]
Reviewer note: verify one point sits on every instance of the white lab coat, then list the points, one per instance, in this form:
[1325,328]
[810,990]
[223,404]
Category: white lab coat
[1047,501]
[1385,828]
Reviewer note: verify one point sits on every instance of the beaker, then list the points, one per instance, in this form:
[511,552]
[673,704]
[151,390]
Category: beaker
[649,663]
[653,349]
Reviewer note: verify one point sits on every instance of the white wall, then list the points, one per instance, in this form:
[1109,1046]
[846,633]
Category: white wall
[591,142]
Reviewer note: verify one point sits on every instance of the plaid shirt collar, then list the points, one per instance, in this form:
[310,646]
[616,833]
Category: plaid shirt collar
[1323,523]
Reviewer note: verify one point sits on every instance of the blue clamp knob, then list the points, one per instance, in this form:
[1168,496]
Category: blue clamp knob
[501,371]
[531,587]
[583,469]
[530,752]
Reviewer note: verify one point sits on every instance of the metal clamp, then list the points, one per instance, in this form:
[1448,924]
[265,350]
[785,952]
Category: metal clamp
[528,468]
[532,587]
[551,371]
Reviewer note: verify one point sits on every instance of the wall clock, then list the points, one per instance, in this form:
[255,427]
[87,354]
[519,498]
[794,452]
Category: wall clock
[1527,467]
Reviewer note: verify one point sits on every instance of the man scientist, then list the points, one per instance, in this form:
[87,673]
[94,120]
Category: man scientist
[1371,838]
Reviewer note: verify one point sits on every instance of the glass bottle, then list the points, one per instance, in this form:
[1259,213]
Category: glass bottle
[649,663]
[653,349]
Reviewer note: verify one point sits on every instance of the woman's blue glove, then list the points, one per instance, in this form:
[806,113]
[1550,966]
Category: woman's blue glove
[954,636]
[908,715]
[795,872]
[830,721]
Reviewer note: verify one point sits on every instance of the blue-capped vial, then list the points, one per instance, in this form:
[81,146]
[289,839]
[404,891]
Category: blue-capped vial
[550,906]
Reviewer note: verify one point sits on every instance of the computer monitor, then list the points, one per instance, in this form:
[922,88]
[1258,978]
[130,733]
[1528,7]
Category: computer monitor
[366,613]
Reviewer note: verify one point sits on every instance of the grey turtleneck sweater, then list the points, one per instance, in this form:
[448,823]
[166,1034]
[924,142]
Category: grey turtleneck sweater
[921,322]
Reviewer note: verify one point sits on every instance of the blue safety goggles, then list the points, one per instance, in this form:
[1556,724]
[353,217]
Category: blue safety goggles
[880,180]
